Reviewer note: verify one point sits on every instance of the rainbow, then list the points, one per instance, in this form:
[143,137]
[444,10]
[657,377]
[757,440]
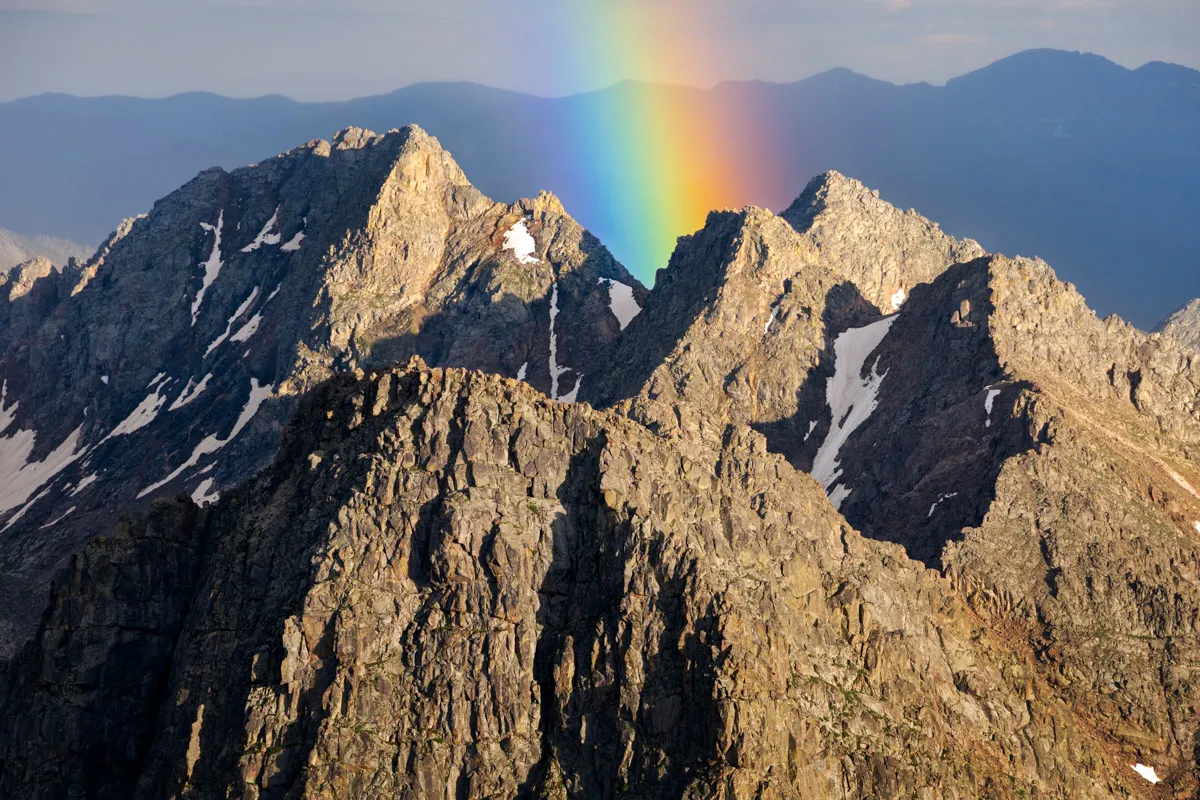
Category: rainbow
[647,163]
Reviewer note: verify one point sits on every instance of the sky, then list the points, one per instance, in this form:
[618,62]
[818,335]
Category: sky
[323,50]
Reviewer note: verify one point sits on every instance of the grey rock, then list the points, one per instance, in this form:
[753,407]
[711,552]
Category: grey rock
[1042,458]
[17,249]
[1184,324]
[19,280]
[881,249]
[747,311]
[448,586]
[147,371]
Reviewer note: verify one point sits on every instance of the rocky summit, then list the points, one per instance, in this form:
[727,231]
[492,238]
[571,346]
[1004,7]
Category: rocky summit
[1184,324]
[16,249]
[428,497]
[171,361]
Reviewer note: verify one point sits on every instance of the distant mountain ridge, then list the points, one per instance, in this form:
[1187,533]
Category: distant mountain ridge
[1064,156]
[16,249]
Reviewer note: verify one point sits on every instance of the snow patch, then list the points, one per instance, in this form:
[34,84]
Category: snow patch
[555,370]
[812,426]
[898,299]
[851,398]
[58,519]
[941,497]
[247,330]
[1146,772]
[104,379]
[771,320]
[988,402]
[570,396]
[293,244]
[87,481]
[190,393]
[203,494]
[265,236]
[19,477]
[524,370]
[621,301]
[521,243]
[1198,526]
[242,309]
[13,520]
[271,296]
[212,267]
[839,495]
[141,416]
[213,443]
[7,415]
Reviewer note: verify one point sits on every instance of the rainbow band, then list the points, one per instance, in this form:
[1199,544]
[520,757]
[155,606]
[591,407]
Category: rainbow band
[647,163]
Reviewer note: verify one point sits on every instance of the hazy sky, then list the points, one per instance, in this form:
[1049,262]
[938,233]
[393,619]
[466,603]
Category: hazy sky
[336,49]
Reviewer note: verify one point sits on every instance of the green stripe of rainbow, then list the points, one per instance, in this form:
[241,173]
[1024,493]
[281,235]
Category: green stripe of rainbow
[647,163]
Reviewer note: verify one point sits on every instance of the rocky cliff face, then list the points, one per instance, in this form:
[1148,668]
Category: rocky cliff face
[1042,458]
[172,360]
[1184,324]
[448,586]
[741,325]
[19,280]
[16,249]
[882,250]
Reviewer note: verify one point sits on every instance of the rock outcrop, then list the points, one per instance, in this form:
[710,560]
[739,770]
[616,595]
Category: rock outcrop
[16,249]
[1184,324]
[172,360]
[19,280]
[882,250]
[1045,460]
[449,586]
[748,309]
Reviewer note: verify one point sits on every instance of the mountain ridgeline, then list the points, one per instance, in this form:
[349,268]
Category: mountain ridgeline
[172,360]
[16,249]
[353,483]
[1064,155]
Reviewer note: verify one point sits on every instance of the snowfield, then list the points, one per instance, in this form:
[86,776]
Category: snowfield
[521,243]
[851,398]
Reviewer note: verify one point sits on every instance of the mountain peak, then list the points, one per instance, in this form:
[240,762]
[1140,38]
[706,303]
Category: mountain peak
[883,250]
[1184,324]
[20,279]
[242,290]
[415,525]
[845,76]
[545,203]
[830,184]
[354,138]
[1047,59]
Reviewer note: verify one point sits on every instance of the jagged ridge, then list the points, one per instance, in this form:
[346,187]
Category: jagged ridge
[488,594]
[1041,458]
[172,360]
